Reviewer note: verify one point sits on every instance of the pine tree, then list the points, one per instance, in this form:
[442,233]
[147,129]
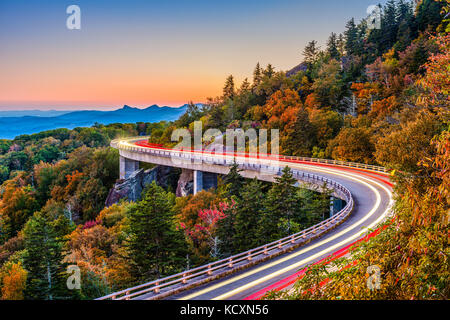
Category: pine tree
[226,231]
[245,86]
[249,211]
[429,14]
[270,71]
[351,38]
[281,208]
[340,43]
[216,117]
[43,261]
[389,26]
[311,52]
[315,207]
[234,181]
[332,46]
[155,247]
[257,76]
[228,89]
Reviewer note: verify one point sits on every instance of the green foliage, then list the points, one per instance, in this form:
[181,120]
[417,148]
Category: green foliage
[43,261]
[281,208]
[234,181]
[155,247]
[250,208]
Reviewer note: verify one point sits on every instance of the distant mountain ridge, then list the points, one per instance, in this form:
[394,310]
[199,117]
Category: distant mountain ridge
[33,113]
[11,127]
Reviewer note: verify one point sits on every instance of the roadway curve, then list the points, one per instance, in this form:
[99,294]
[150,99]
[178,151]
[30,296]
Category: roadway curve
[372,194]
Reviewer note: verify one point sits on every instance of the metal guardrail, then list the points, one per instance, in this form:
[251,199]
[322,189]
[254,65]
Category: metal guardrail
[123,144]
[163,287]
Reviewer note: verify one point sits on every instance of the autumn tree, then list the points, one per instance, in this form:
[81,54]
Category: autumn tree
[299,138]
[17,206]
[13,279]
[328,86]
[403,149]
[352,144]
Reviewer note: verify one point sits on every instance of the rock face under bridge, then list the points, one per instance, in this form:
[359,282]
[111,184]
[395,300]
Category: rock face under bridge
[132,187]
[185,183]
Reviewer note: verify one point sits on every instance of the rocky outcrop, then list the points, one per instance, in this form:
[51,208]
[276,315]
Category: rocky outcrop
[185,183]
[132,187]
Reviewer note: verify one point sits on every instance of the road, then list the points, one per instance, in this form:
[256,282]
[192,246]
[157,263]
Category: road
[372,195]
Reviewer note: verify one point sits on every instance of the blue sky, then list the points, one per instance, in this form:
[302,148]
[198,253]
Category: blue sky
[143,52]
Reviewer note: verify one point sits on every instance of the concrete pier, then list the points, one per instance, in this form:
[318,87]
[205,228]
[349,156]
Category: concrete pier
[127,167]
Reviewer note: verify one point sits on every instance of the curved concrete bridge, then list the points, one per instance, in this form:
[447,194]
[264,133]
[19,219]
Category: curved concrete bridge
[365,189]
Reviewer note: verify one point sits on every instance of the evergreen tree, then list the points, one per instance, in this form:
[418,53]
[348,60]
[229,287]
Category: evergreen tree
[216,117]
[315,207]
[332,46]
[234,181]
[226,232]
[340,44]
[281,208]
[389,26]
[155,247]
[249,211]
[428,14]
[352,40]
[43,261]
[311,52]
[193,113]
[228,90]
[245,87]
[257,75]
[270,71]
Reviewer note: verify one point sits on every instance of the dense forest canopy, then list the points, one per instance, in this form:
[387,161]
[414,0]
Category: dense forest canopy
[376,96]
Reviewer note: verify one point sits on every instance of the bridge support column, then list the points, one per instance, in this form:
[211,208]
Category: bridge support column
[198,181]
[127,167]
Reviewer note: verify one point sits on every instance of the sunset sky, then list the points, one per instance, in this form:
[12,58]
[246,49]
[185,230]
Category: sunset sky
[142,52]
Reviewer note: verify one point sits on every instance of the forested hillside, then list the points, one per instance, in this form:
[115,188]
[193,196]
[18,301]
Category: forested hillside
[376,96]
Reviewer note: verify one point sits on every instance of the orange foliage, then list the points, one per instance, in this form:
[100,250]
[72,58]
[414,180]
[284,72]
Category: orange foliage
[364,94]
[281,108]
[312,102]
[14,282]
[72,182]
[383,108]
[191,205]
[98,248]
